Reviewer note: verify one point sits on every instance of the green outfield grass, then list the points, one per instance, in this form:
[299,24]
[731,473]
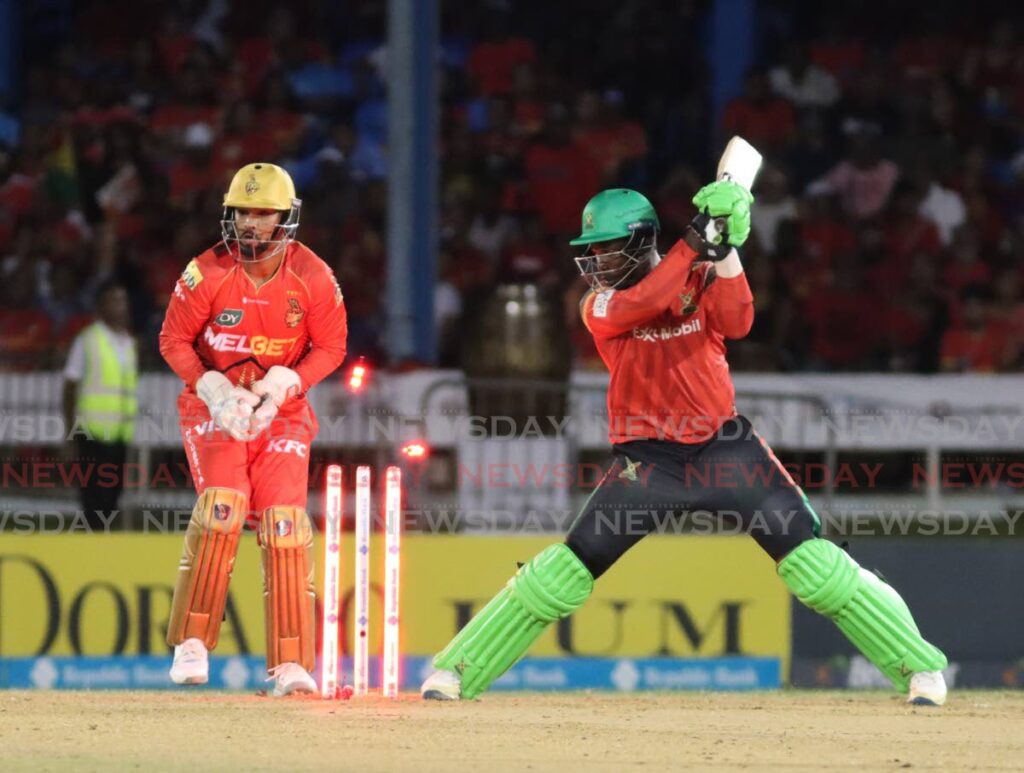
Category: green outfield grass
[787,730]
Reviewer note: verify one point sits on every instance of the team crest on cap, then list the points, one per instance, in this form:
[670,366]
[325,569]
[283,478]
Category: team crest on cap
[252,185]
[283,528]
[588,220]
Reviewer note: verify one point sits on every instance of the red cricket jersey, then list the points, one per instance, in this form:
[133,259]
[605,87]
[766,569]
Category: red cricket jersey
[663,341]
[218,319]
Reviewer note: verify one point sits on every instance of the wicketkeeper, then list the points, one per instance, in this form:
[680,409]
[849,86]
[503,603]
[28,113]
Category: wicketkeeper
[660,325]
[253,323]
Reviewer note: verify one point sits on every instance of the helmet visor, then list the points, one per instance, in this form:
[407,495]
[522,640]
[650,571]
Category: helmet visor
[244,242]
[617,264]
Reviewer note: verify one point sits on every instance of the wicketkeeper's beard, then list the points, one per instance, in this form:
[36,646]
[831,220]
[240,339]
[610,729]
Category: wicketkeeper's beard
[247,247]
[250,246]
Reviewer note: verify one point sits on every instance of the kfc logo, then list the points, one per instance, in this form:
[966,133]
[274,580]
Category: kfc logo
[282,446]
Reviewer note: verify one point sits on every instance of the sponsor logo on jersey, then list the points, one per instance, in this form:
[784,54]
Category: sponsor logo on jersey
[282,446]
[229,317]
[192,276]
[689,307]
[204,427]
[257,301]
[629,472]
[233,342]
[601,303]
[665,333]
[294,313]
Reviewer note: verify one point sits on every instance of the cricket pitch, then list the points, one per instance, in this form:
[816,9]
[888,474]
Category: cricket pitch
[785,730]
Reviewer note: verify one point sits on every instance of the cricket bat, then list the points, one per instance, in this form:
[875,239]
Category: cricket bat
[740,163]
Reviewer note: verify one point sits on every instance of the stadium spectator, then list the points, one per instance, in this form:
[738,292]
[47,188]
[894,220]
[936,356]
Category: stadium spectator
[24,327]
[560,174]
[774,205]
[863,181]
[802,82]
[761,117]
[857,129]
[976,341]
[943,206]
[99,403]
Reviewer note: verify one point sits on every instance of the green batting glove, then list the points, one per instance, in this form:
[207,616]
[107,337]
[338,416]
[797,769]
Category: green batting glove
[728,200]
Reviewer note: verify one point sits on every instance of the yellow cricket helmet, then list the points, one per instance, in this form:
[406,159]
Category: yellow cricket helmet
[261,186]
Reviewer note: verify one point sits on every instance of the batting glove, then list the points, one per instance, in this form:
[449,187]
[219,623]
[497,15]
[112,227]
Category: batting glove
[723,217]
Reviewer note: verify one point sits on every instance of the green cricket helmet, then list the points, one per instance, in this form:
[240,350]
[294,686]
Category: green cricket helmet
[625,223]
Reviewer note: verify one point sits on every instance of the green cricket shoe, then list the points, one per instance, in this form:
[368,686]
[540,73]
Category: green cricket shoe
[442,686]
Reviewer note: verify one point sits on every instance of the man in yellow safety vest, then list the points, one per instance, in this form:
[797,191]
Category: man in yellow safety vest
[100,403]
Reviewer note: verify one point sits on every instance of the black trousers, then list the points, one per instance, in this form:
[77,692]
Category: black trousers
[103,475]
[729,483]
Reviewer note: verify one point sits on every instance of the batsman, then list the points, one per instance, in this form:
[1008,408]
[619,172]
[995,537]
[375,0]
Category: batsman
[660,325]
[253,323]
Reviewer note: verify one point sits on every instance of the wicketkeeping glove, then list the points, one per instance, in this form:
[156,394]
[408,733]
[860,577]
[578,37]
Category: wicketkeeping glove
[278,385]
[723,217]
[230,406]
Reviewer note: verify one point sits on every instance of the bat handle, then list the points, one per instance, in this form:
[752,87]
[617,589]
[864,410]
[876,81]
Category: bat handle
[720,222]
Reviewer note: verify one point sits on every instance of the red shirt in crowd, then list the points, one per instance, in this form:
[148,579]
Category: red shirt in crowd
[844,325]
[769,124]
[982,350]
[560,181]
[493,63]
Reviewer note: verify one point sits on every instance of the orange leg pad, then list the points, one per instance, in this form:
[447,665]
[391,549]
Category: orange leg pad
[211,542]
[286,540]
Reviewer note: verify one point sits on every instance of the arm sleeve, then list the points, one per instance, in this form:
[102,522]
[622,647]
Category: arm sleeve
[187,312]
[730,308]
[74,368]
[328,330]
[614,312]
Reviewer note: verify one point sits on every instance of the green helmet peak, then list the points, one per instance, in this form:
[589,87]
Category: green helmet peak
[616,214]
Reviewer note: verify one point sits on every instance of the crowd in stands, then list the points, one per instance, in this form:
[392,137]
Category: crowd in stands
[888,231]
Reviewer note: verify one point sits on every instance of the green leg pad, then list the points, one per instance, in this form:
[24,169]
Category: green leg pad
[868,611]
[554,584]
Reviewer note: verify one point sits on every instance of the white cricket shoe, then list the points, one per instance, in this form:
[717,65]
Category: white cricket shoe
[927,688]
[290,678]
[442,686]
[191,663]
